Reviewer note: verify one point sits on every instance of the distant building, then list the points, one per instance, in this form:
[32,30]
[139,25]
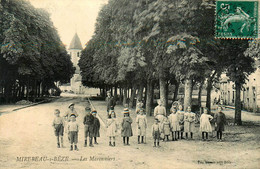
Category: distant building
[250,93]
[75,84]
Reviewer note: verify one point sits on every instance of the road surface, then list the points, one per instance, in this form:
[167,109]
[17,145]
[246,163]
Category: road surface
[27,141]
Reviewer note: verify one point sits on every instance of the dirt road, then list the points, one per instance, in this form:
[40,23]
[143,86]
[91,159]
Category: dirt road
[27,141]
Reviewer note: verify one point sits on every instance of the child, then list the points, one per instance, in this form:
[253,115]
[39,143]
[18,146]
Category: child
[180,114]
[88,126]
[141,121]
[205,126]
[212,123]
[189,122]
[166,129]
[96,126]
[220,120]
[73,130]
[112,128]
[58,125]
[160,111]
[174,123]
[126,130]
[67,116]
[156,132]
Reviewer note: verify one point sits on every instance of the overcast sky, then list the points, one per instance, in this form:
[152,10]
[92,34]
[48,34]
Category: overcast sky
[70,16]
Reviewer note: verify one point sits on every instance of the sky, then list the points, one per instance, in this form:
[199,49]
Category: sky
[71,16]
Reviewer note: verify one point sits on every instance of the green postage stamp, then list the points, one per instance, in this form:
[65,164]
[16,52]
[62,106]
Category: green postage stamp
[237,19]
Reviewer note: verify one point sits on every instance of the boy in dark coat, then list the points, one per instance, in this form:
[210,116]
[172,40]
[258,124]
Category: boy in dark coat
[89,126]
[220,120]
[111,102]
[96,126]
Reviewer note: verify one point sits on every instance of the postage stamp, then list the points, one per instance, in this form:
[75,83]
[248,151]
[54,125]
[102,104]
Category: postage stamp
[237,19]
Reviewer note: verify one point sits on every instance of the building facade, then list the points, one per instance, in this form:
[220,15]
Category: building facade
[250,93]
[74,51]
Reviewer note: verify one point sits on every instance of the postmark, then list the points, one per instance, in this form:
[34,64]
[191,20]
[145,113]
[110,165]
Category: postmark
[237,19]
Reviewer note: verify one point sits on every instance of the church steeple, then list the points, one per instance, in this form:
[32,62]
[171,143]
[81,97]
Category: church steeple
[75,43]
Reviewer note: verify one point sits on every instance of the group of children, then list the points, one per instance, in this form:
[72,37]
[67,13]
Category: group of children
[180,122]
[176,124]
[68,121]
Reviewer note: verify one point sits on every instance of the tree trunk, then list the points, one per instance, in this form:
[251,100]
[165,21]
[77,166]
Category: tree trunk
[128,93]
[133,93]
[152,101]
[140,92]
[121,96]
[199,94]
[149,98]
[125,96]
[22,93]
[177,84]
[162,82]
[40,86]
[238,120]
[115,92]
[188,93]
[209,88]
[167,96]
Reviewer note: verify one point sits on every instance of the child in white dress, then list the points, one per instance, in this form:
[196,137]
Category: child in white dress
[141,122]
[189,122]
[112,126]
[174,123]
[205,126]
[166,129]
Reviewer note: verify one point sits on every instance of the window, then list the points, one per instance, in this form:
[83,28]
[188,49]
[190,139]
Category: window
[78,54]
[254,92]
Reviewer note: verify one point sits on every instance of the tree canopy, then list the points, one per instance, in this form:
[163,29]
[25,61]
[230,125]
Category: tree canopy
[31,50]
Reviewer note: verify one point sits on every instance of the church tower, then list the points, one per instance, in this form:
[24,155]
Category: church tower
[75,52]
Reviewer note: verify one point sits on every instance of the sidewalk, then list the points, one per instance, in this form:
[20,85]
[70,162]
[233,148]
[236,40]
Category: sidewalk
[14,107]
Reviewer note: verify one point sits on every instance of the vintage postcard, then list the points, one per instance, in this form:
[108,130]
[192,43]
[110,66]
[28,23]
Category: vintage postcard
[140,84]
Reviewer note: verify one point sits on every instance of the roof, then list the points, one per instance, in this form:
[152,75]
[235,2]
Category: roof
[75,43]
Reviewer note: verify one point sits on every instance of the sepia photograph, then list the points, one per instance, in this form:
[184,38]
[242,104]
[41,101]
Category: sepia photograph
[142,84]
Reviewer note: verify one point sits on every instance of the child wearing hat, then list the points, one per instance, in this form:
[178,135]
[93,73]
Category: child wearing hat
[89,125]
[96,126]
[126,130]
[112,126]
[70,112]
[58,125]
[67,115]
[141,121]
[156,131]
[73,129]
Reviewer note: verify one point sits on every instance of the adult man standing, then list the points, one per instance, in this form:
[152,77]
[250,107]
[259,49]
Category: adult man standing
[111,102]
[89,126]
